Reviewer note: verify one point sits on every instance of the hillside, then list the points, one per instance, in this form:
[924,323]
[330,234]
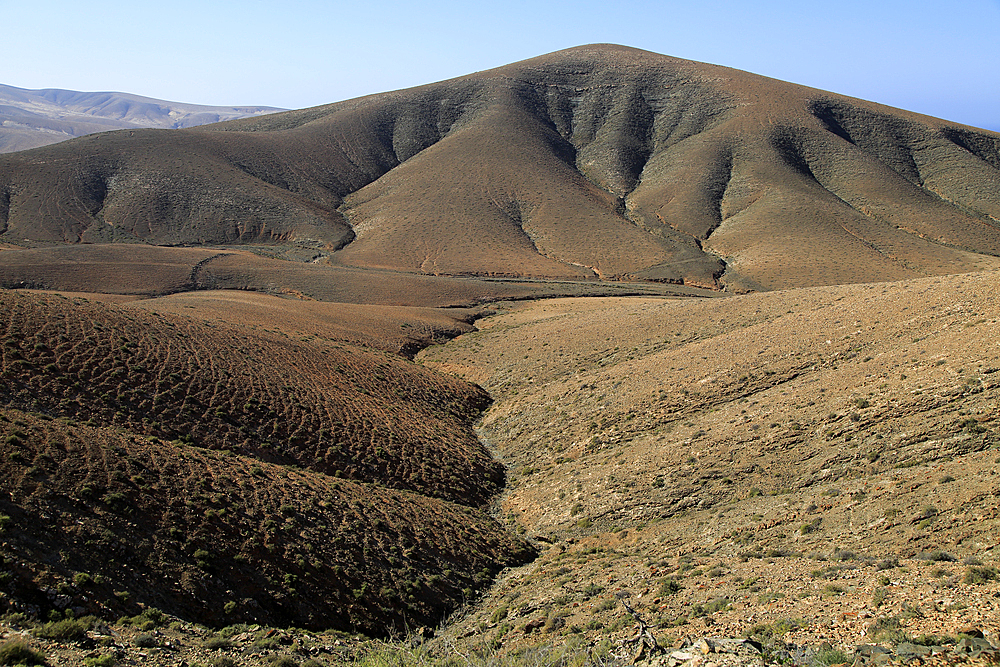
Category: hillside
[34,118]
[817,462]
[595,162]
[598,328]
[188,464]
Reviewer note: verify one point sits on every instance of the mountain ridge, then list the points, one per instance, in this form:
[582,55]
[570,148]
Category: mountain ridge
[594,162]
[30,118]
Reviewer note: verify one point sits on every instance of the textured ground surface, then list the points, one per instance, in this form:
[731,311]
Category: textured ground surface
[598,161]
[820,458]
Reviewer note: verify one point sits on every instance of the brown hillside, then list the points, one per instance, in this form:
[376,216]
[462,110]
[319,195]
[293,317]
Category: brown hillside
[341,410]
[596,161]
[191,462]
[822,460]
[109,522]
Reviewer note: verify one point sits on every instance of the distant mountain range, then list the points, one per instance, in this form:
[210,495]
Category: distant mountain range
[597,162]
[33,118]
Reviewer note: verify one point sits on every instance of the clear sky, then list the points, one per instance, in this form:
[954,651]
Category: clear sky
[937,58]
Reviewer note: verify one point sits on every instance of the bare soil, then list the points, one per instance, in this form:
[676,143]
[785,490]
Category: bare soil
[826,456]
[599,161]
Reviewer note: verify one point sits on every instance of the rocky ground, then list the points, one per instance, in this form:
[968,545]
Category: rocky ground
[817,465]
[806,477]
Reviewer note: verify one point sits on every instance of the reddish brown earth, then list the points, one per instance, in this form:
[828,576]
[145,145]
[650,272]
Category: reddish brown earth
[302,470]
[598,161]
[820,460]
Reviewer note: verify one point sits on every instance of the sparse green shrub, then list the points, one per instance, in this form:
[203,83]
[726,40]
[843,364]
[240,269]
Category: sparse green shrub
[66,630]
[981,574]
[934,640]
[669,587]
[149,619]
[710,607]
[767,632]
[499,614]
[878,597]
[17,652]
[104,660]
[887,564]
[887,630]
[266,643]
[606,605]
[17,619]
[284,661]
[831,657]
[144,640]
[216,643]
[554,623]
[810,527]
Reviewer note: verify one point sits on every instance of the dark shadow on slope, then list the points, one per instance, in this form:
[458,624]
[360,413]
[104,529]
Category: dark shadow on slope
[788,146]
[982,145]
[888,138]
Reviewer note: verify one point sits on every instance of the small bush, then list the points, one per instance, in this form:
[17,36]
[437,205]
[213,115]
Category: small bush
[878,597]
[831,657]
[216,643]
[887,630]
[718,604]
[284,661]
[66,630]
[934,640]
[937,556]
[105,660]
[669,587]
[19,653]
[766,633]
[144,640]
[981,574]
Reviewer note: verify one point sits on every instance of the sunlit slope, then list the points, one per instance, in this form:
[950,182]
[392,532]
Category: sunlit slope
[236,473]
[339,409]
[599,161]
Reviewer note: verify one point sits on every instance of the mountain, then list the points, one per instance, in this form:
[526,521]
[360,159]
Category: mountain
[595,162]
[33,118]
[250,400]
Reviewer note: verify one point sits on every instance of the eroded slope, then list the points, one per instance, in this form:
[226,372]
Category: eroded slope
[189,464]
[108,522]
[827,456]
[598,161]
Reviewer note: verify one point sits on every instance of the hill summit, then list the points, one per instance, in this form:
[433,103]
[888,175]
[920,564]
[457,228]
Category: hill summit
[594,162]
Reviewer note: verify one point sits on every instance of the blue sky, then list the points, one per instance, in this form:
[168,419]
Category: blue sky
[937,58]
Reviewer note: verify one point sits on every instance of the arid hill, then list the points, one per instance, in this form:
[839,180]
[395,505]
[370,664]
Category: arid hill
[188,464]
[810,465]
[599,161]
[34,118]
